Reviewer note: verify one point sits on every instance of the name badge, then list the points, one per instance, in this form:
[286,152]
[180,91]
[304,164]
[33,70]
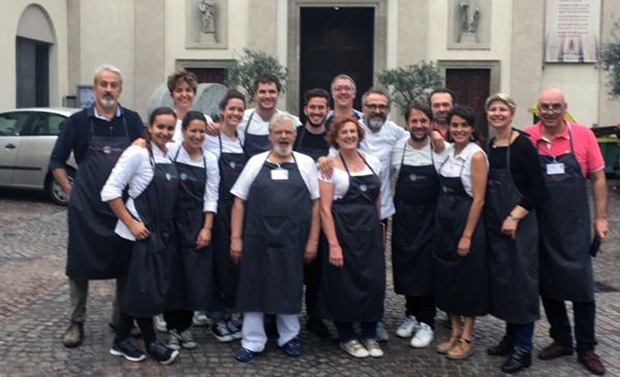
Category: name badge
[555,168]
[279,174]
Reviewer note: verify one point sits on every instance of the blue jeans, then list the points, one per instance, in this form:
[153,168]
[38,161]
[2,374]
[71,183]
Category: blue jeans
[346,333]
[521,334]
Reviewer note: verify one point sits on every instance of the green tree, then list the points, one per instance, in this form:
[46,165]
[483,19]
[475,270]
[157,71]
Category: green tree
[251,64]
[610,61]
[412,83]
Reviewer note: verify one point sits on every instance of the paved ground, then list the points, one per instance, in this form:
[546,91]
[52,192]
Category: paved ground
[34,301]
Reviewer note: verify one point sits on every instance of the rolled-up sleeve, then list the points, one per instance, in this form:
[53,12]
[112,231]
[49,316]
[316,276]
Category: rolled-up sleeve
[213,183]
[123,171]
[63,147]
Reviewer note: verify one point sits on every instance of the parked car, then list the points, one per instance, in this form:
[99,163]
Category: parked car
[27,137]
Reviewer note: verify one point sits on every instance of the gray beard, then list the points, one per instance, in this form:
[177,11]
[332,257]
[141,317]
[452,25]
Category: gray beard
[107,102]
[283,152]
[375,124]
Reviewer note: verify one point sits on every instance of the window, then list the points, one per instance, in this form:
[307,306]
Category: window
[46,124]
[12,124]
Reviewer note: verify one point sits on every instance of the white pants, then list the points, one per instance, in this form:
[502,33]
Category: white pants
[254,337]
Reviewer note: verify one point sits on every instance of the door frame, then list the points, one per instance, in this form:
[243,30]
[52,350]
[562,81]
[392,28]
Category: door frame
[493,65]
[294,40]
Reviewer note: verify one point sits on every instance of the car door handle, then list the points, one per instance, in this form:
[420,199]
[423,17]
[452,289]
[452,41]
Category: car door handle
[10,146]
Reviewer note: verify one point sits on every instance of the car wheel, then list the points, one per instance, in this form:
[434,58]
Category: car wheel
[54,190]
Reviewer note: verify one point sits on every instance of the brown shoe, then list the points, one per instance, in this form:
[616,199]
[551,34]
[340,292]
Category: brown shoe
[446,346]
[74,335]
[553,351]
[593,363]
[462,350]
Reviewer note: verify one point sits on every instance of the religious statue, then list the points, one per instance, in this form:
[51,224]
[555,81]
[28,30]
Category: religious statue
[470,16]
[207,8]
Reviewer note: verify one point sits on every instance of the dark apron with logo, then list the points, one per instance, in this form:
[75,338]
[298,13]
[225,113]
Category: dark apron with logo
[355,292]
[148,280]
[275,235]
[413,228]
[513,264]
[564,221]
[461,283]
[95,251]
[226,271]
[191,285]
[312,152]
[254,144]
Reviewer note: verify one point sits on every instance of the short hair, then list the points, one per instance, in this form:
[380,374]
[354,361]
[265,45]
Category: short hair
[316,92]
[283,117]
[343,76]
[267,78]
[192,116]
[464,112]
[442,90]
[377,90]
[107,68]
[337,125]
[162,110]
[421,107]
[503,98]
[179,76]
[231,94]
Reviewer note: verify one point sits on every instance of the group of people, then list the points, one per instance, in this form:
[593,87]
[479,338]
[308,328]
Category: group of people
[235,217]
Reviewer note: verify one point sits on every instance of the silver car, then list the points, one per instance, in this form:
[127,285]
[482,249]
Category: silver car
[27,137]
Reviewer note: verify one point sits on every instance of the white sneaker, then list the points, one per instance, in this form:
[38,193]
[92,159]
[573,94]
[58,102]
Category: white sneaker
[382,334]
[160,323]
[423,337]
[409,326]
[372,346]
[200,319]
[187,340]
[355,349]
[235,331]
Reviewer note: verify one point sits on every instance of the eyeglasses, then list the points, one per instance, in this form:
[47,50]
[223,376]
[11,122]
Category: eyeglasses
[550,106]
[343,88]
[374,107]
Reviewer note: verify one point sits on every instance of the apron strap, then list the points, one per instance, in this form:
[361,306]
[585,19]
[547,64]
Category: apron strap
[247,126]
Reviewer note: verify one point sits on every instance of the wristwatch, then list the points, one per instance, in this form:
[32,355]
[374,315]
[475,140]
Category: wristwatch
[515,218]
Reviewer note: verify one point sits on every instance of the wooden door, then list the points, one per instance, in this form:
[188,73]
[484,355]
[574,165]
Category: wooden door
[472,87]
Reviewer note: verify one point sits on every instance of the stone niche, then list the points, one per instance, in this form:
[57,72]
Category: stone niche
[469,24]
[206,24]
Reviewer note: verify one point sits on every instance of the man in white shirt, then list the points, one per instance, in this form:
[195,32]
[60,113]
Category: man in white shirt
[343,92]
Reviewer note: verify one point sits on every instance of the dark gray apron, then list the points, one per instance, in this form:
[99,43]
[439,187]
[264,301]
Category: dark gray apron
[277,223]
[355,292]
[461,283]
[315,153]
[513,264]
[95,251]
[254,144]
[226,271]
[564,221]
[413,228]
[191,284]
[148,280]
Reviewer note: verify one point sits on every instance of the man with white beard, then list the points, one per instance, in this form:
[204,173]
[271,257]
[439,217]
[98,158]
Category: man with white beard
[275,226]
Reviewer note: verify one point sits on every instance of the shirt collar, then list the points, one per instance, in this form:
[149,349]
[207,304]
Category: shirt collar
[92,112]
[564,135]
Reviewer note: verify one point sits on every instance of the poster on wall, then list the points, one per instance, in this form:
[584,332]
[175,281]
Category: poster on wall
[572,31]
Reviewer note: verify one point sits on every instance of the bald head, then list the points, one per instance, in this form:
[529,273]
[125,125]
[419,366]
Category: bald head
[552,108]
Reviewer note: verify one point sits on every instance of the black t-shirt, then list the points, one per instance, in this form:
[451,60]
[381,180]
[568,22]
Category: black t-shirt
[309,140]
[524,166]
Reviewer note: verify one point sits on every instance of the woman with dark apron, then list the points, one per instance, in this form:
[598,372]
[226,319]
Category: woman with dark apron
[461,280]
[353,273]
[231,160]
[191,287]
[413,227]
[513,190]
[147,220]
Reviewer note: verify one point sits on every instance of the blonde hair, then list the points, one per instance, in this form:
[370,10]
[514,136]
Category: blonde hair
[503,98]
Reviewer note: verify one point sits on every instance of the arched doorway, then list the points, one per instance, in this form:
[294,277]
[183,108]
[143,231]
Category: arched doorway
[34,42]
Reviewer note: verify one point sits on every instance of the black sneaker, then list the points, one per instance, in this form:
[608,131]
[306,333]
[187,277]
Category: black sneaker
[162,353]
[128,350]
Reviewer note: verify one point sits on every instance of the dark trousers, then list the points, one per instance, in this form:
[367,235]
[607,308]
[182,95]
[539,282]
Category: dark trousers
[560,331]
[422,308]
[346,332]
[312,277]
[521,334]
[178,320]
[124,324]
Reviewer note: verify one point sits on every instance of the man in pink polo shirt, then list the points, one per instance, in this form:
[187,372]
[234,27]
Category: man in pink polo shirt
[569,156]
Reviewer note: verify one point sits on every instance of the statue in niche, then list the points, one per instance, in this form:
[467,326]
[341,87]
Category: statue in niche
[207,9]
[470,17]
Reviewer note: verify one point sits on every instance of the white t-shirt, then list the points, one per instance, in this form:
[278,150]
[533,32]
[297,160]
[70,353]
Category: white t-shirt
[228,145]
[460,165]
[134,169]
[340,178]
[212,185]
[305,164]
[258,125]
[417,157]
[178,130]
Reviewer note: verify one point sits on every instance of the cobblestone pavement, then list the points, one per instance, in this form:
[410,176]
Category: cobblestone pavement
[34,302]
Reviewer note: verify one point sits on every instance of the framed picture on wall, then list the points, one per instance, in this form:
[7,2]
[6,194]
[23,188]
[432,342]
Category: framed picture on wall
[84,96]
